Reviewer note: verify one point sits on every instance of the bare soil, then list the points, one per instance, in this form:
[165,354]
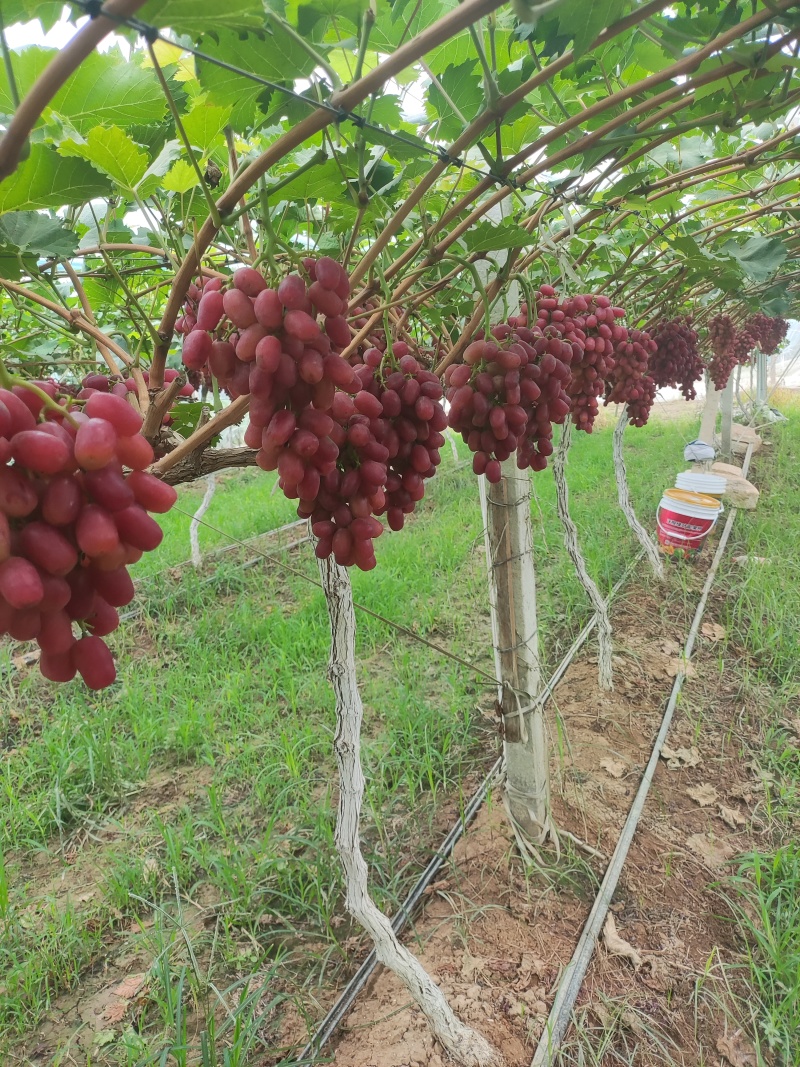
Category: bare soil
[496,937]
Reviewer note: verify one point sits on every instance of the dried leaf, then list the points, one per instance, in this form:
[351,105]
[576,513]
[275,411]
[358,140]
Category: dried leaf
[704,795]
[129,986]
[680,757]
[529,967]
[617,945]
[713,631]
[737,1050]
[731,817]
[472,967]
[678,664]
[116,1012]
[437,887]
[614,767]
[714,853]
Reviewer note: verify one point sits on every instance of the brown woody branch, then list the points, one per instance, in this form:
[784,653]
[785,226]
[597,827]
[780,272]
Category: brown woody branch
[208,462]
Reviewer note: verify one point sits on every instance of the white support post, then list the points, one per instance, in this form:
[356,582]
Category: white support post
[598,602]
[708,423]
[467,1047]
[726,409]
[508,533]
[624,497]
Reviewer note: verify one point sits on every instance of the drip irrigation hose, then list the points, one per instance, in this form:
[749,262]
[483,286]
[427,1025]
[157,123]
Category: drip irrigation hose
[347,997]
[575,971]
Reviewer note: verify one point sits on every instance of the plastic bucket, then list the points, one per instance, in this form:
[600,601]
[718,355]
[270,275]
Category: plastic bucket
[700,482]
[685,520]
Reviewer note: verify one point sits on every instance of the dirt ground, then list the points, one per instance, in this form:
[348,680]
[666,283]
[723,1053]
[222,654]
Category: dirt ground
[496,937]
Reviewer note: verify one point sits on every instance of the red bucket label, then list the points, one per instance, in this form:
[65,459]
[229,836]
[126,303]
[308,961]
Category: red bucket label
[682,535]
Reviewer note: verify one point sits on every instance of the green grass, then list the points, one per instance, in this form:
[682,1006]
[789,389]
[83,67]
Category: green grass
[197,796]
[762,610]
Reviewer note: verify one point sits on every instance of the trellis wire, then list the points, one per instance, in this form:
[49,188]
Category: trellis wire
[152,34]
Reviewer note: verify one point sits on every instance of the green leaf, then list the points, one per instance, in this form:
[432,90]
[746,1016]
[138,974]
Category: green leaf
[191,16]
[28,231]
[48,12]
[759,258]
[776,301]
[464,91]
[106,89]
[45,180]
[307,16]
[204,124]
[274,56]
[492,236]
[112,152]
[181,178]
[583,22]
[150,181]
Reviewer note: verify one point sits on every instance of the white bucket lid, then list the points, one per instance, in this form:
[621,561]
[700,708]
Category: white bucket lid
[696,482]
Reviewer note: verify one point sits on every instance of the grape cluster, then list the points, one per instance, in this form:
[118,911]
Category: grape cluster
[102,383]
[767,331]
[514,388]
[493,393]
[722,334]
[388,436]
[632,354]
[594,326]
[350,440]
[676,361]
[232,332]
[743,345]
[639,407]
[71,522]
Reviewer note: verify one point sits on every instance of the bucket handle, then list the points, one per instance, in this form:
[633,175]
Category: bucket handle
[687,537]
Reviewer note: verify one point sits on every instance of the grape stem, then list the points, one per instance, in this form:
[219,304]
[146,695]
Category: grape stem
[487,317]
[213,210]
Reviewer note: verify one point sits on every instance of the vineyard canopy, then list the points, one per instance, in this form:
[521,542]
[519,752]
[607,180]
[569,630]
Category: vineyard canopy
[646,149]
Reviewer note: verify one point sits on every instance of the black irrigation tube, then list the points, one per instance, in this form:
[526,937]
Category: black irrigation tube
[347,997]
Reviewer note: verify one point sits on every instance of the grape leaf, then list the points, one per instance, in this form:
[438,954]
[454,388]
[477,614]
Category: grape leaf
[459,93]
[112,152]
[759,257]
[491,237]
[191,16]
[45,180]
[28,231]
[204,124]
[274,56]
[180,178]
[105,89]
[583,22]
